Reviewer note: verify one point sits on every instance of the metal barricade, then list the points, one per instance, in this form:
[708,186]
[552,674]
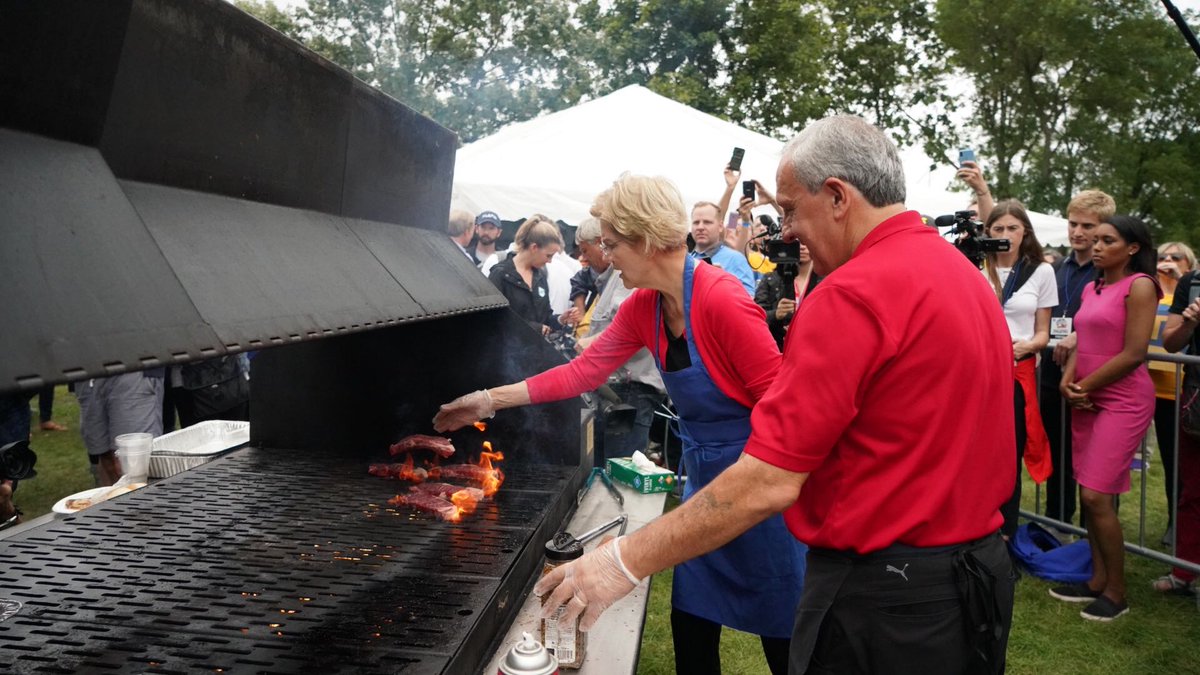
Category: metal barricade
[1139,548]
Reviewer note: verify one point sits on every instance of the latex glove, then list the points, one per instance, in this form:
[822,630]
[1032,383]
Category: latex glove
[464,410]
[589,585]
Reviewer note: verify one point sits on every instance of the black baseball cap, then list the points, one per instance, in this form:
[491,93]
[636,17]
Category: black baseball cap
[487,217]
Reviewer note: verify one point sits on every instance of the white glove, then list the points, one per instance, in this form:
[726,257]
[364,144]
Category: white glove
[464,410]
[589,585]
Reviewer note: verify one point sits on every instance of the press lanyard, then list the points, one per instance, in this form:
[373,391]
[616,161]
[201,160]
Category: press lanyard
[1066,300]
[1010,284]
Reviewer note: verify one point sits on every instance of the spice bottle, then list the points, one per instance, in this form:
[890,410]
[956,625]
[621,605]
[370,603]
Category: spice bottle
[563,639]
[528,658]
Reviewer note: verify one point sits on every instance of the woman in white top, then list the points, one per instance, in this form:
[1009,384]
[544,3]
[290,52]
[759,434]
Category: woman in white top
[1026,289]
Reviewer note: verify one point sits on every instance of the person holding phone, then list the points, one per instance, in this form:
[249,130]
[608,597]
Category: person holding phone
[710,344]
[1108,387]
[970,173]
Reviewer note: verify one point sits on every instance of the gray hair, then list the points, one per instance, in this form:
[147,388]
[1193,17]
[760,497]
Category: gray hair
[847,147]
[460,222]
[588,230]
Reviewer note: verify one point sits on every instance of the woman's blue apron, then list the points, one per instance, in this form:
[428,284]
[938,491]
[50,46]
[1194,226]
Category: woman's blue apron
[753,583]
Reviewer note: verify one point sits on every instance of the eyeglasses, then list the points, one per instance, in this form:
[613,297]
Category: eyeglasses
[1175,257]
[607,248]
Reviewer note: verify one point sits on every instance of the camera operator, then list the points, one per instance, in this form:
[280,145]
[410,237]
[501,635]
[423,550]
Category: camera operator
[1025,286]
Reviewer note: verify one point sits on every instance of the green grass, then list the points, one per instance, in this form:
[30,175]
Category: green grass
[1159,635]
[62,465]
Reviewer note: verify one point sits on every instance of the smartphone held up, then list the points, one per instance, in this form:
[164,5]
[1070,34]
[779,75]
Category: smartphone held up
[735,162]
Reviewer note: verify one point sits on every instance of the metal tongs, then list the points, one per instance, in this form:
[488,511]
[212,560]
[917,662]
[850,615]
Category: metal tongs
[612,489]
[566,539]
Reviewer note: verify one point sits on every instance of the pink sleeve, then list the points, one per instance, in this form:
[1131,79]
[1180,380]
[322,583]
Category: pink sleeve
[591,369]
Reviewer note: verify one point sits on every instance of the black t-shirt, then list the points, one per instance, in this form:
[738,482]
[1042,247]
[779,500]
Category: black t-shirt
[677,350]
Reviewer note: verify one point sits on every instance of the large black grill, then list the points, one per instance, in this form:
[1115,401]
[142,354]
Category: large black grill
[183,182]
[264,562]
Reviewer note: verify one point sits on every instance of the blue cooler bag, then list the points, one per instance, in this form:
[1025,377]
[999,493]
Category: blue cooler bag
[1045,557]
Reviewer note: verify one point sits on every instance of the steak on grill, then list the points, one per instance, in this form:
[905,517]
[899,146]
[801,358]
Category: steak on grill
[442,447]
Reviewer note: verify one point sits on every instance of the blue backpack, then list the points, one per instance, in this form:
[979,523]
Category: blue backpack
[1045,557]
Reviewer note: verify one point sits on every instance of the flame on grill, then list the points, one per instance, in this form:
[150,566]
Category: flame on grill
[407,472]
[494,477]
[482,426]
[464,502]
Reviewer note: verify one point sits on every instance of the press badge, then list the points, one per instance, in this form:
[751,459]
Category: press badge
[1060,327]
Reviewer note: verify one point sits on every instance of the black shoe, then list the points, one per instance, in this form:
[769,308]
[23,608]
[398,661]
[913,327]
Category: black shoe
[1104,610]
[1074,593]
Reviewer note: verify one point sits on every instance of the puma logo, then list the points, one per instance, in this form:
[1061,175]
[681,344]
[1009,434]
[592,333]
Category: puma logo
[901,572]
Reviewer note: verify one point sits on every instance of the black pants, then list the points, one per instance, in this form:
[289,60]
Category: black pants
[46,404]
[905,610]
[698,646]
[1166,423]
[1010,509]
[1060,487]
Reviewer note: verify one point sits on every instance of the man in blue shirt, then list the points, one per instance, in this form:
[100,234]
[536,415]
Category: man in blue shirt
[708,231]
[1084,214]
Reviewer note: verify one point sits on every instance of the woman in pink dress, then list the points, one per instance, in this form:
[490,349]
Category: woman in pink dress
[1107,383]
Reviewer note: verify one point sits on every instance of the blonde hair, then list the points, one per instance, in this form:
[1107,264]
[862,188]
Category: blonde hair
[1188,253]
[460,222]
[648,209]
[1093,202]
[537,229]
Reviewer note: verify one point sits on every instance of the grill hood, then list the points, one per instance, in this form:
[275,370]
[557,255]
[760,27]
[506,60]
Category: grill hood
[179,181]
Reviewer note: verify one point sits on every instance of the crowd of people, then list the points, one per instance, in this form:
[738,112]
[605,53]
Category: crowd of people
[796,410]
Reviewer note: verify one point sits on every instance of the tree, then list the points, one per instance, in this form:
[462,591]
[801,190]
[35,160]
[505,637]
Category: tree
[472,65]
[1070,95]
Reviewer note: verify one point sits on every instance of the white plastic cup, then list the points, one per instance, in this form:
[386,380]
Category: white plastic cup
[134,452]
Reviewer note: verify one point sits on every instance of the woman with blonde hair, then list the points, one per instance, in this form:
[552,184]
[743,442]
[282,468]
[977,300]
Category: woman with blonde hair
[711,345]
[1027,291]
[1175,261]
[522,276]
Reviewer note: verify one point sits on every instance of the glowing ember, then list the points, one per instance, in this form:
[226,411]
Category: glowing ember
[482,426]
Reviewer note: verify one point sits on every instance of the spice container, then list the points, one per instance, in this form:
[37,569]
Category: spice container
[563,639]
[528,658]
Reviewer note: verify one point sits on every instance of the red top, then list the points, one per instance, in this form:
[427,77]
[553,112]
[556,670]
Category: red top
[729,329]
[895,394]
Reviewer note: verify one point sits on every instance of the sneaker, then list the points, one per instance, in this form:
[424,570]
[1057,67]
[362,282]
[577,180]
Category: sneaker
[1104,610]
[1074,593]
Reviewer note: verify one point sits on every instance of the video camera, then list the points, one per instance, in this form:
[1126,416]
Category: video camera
[970,241]
[785,255]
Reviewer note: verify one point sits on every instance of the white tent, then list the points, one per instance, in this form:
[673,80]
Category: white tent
[556,164]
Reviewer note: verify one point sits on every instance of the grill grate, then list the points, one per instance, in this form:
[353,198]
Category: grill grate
[263,562]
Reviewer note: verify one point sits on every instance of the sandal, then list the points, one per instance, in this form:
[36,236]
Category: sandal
[1173,585]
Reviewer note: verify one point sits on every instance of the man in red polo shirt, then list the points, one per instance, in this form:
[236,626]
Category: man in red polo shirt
[884,438]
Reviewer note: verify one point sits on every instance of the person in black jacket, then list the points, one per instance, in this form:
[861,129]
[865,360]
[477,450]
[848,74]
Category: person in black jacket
[770,296]
[522,276]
